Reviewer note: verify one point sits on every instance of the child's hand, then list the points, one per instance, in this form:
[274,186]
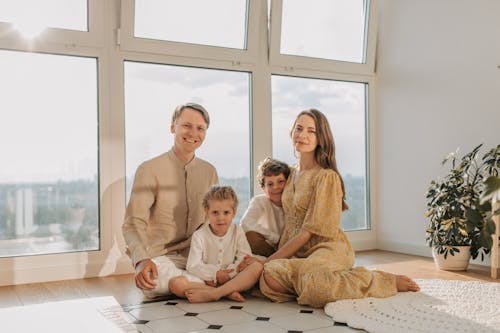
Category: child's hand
[247,261]
[223,275]
[210,283]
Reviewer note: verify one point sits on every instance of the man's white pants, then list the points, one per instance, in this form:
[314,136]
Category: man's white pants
[168,268]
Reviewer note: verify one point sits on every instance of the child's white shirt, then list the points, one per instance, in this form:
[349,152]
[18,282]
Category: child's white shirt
[210,253]
[264,217]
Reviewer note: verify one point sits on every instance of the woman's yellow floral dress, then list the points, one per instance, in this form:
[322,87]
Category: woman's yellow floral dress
[321,271]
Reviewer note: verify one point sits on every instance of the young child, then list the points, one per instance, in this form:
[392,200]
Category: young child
[217,248]
[263,221]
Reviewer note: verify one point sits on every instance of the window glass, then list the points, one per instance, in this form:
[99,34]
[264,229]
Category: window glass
[329,29]
[215,22]
[32,16]
[48,143]
[344,105]
[152,92]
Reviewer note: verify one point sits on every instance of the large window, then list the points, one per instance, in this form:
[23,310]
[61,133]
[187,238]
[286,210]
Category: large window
[48,179]
[152,92]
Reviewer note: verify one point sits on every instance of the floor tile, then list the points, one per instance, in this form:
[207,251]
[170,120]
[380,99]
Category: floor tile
[201,307]
[301,321]
[131,307]
[336,329]
[156,312]
[177,325]
[226,317]
[144,328]
[269,309]
[253,327]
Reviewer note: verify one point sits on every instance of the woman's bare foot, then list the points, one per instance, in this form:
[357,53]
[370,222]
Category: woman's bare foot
[236,296]
[201,295]
[404,283]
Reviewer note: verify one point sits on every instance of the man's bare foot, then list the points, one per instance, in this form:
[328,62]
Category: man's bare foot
[236,296]
[201,295]
[404,283]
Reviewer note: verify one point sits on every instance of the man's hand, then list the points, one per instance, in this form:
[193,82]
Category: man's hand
[223,275]
[247,261]
[145,274]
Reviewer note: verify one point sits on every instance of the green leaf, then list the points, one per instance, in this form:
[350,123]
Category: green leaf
[490,227]
[473,215]
[491,189]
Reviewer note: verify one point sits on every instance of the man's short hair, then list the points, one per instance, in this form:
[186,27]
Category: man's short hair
[271,167]
[194,106]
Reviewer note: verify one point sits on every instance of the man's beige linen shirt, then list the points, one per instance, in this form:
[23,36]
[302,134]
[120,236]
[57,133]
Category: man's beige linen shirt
[165,206]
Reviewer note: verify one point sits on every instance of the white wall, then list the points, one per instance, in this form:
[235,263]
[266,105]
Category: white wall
[438,88]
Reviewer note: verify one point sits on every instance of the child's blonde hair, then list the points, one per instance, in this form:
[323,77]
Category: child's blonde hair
[219,193]
[271,167]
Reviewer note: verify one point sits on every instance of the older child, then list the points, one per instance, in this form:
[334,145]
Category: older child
[216,250]
[264,221]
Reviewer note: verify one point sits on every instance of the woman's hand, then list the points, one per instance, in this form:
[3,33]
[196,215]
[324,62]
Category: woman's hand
[292,246]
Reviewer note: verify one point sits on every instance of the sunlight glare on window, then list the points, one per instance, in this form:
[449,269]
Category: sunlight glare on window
[31,17]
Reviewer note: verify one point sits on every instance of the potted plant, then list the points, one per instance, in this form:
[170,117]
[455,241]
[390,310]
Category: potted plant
[456,215]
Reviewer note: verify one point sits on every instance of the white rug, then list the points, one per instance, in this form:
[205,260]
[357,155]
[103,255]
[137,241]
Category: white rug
[87,315]
[441,306]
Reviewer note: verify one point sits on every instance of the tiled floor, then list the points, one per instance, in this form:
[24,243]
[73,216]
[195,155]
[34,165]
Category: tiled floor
[254,315]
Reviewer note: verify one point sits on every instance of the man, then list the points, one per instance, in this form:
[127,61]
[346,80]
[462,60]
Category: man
[165,206]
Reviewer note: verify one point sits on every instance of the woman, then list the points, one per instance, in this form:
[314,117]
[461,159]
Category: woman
[314,261]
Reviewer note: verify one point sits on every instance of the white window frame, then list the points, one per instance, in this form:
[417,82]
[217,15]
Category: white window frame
[129,42]
[111,41]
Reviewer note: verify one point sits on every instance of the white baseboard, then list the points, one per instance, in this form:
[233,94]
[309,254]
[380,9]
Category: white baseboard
[420,250]
[64,271]
[413,249]
[362,240]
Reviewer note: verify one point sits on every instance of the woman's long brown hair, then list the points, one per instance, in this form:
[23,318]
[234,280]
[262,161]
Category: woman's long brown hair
[325,150]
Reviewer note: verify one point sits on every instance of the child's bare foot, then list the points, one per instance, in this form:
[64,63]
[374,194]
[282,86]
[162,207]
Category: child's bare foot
[201,295]
[404,283]
[236,296]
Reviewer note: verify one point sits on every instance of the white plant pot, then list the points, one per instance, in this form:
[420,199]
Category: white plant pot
[457,262]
